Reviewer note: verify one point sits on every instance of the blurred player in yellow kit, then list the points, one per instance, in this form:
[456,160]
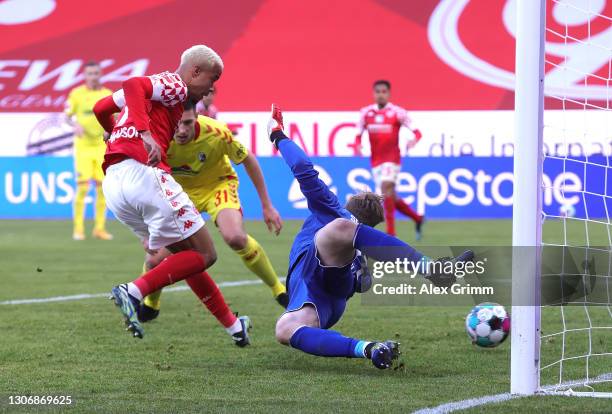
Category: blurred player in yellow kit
[89,150]
[200,158]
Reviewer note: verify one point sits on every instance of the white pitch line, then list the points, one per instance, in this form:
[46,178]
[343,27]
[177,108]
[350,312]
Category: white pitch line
[441,409]
[491,399]
[465,404]
[83,296]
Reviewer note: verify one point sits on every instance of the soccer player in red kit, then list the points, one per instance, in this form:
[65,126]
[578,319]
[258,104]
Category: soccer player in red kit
[142,194]
[383,121]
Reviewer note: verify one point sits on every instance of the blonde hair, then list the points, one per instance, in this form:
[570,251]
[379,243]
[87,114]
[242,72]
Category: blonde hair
[202,56]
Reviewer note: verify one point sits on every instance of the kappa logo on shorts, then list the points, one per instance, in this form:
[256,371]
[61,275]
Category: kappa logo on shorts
[174,203]
[163,179]
[188,224]
[169,193]
[181,212]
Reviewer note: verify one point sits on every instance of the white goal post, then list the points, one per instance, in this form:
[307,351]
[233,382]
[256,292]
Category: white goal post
[579,347]
[526,211]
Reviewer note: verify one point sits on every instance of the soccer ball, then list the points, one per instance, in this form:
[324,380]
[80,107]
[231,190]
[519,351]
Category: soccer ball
[567,210]
[487,324]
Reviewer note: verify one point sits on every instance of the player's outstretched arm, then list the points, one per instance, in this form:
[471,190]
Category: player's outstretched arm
[321,201]
[271,216]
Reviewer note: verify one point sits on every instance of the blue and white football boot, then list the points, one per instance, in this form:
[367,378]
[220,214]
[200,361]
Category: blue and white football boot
[128,304]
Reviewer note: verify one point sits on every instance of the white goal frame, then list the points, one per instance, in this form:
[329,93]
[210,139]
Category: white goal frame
[527,207]
[527,199]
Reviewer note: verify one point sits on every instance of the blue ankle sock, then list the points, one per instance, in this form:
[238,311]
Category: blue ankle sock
[382,247]
[323,342]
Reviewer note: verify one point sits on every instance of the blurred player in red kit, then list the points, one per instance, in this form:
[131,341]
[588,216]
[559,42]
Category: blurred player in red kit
[383,120]
[142,194]
[206,106]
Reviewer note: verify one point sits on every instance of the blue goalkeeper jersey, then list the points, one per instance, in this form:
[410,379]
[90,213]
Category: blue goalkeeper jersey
[322,203]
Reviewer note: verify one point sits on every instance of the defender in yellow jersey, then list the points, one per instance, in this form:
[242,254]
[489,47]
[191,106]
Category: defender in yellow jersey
[89,150]
[201,158]
[202,165]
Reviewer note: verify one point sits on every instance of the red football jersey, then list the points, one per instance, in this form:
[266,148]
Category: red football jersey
[383,125]
[151,103]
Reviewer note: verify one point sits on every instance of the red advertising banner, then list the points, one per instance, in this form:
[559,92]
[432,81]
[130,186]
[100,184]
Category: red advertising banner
[308,56]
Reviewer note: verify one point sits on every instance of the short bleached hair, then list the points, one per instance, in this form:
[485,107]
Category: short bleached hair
[203,56]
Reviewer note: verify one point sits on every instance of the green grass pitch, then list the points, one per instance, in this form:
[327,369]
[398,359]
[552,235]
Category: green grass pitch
[186,363]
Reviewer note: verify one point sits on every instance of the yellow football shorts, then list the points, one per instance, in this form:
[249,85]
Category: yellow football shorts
[222,196]
[88,163]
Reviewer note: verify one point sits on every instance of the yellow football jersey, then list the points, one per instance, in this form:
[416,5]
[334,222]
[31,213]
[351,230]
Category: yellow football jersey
[200,165]
[80,103]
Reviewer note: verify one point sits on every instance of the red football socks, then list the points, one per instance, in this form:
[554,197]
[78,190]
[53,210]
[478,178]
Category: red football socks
[389,205]
[207,290]
[406,210]
[172,269]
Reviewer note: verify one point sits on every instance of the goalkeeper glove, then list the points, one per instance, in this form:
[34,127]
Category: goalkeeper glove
[441,272]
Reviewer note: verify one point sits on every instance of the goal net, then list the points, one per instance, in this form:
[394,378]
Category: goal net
[571,324]
[576,324]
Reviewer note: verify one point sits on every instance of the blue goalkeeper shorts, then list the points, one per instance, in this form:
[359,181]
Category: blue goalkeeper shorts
[326,288]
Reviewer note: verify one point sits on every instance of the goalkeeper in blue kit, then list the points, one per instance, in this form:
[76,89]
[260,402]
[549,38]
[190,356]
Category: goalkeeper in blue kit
[327,262]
